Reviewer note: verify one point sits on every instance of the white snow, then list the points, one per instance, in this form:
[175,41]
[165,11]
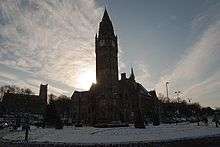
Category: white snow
[114,135]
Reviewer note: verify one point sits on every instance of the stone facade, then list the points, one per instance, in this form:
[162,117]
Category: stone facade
[111,99]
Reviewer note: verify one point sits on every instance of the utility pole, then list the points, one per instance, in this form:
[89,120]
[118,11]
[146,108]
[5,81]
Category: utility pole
[167,88]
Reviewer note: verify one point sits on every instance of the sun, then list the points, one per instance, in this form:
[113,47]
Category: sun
[86,79]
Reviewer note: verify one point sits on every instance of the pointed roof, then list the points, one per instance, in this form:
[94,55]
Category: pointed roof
[106,27]
[132,77]
[132,71]
[106,16]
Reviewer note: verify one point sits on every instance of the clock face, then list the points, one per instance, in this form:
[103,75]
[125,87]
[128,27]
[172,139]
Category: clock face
[102,42]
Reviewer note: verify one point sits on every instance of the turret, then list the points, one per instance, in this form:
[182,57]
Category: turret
[132,77]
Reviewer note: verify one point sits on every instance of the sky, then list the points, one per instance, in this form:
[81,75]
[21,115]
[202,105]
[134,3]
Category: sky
[53,42]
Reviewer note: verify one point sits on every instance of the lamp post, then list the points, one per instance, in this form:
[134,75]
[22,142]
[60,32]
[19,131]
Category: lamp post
[167,88]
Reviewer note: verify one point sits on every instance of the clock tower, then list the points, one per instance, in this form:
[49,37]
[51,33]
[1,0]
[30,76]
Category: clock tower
[111,99]
[106,49]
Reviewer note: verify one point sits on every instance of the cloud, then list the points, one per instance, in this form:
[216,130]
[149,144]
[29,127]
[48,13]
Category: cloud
[22,78]
[197,73]
[51,39]
[142,74]
[207,17]
[206,87]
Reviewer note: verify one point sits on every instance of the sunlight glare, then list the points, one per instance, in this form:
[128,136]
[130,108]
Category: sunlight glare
[86,79]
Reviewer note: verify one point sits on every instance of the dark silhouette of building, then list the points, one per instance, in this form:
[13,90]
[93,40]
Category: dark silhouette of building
[106,49]
[43,93]
[23,103]
[111,99]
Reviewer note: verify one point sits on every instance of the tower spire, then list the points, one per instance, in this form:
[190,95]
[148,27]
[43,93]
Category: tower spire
[106,16]
[105,26]
[132,77]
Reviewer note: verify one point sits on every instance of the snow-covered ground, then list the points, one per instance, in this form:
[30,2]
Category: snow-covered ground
[111,135]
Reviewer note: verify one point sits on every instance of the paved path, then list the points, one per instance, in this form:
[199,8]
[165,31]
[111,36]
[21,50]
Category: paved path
[200,142]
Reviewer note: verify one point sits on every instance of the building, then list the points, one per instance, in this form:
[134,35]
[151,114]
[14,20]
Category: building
[23,103]
[111,99]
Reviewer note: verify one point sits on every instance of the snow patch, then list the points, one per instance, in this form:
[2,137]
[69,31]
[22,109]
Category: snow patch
[115,135]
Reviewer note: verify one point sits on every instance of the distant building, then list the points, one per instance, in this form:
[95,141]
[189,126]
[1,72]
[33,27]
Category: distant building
[111,99]
[23,103]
